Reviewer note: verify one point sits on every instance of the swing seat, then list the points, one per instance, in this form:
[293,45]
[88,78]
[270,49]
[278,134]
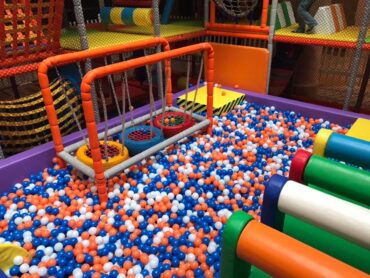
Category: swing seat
[173,123]
[137,138]
[115,155]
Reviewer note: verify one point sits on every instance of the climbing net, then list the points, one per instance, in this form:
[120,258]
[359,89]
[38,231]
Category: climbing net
[237,8]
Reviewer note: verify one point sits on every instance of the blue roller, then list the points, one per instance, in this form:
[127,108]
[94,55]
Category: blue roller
[134,146]
[270,213]
[105,15]
[128,16]
[349,149]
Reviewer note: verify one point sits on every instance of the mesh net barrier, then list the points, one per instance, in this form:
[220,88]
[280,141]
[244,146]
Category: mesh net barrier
[29,32]
[24,123]
[237,8]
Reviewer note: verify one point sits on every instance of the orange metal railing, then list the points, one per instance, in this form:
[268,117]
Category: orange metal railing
[81,56]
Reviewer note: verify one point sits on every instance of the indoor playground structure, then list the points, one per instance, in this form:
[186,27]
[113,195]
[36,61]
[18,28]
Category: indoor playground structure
[142,139]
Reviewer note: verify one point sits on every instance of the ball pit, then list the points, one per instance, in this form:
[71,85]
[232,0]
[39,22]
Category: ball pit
[165,217]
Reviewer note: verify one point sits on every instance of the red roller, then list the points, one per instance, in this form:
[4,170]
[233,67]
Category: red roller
[299,163]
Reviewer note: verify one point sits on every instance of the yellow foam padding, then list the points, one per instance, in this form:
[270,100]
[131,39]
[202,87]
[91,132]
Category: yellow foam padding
[360,130]
[99,39]
[107,164]
[143,17]
[8,252]
[126,34]
[116,15]
[168,30]
[349,34]
[223,100]
[321,141]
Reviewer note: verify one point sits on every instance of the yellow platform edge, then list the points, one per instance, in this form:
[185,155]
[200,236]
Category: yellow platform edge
[360,129]
[223,100]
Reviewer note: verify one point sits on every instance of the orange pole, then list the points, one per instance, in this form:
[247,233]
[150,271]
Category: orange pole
[81,56]
[265,9]
[282,256]
[238,28]
[212,16]
[124,66]
[237,35]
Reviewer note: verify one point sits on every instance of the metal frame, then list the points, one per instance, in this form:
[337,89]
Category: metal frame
[121,67]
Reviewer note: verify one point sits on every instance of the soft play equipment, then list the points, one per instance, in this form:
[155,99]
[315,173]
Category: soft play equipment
[66,153]
[252,249]
[331,19]
[127,16]
[336,227]
[285,15]
[332,177]
[167,9]
[10,252]
[342,147]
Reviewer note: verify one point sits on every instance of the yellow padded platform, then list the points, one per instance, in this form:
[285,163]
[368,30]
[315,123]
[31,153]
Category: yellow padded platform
[360,129]
[98,38]
[349,34]
[223,100]
[168,30]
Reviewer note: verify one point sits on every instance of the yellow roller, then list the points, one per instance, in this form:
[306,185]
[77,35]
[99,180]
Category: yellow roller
[107,164]
[321,140]
[143,17]
[8,252]
[116,15]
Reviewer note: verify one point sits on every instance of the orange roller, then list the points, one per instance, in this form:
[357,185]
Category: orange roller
[282,256]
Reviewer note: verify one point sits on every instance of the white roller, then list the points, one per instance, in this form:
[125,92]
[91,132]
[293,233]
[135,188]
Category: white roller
[335,215]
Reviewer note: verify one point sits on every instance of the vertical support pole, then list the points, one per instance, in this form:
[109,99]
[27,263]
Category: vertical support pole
[206,12]
[270,43]
[84,46]
[101,4]
[92,131]
[210,66]
[157,33]
[355,65]
[265,7]
[212,12]
[365,81]
[167,11]
[1,153]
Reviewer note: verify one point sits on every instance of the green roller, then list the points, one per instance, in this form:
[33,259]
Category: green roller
[328,243]
[231,265]
[337,179]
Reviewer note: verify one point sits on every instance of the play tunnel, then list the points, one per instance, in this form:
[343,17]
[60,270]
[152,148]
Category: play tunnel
[335,178]
[332,225]
[252,249]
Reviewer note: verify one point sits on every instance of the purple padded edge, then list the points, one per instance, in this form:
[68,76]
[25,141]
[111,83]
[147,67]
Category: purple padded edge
[17,167]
